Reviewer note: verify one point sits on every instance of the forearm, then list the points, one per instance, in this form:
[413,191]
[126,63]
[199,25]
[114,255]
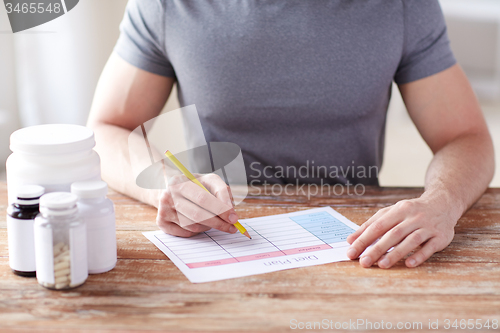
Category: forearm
[449,118]
[112,147]
[460,172]
[457,176]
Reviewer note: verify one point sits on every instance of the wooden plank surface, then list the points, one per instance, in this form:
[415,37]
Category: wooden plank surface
[147,292]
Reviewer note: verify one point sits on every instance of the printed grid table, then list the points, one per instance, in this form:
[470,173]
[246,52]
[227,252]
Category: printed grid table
[274,237]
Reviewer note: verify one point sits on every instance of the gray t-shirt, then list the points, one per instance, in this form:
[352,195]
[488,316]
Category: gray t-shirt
[298,85]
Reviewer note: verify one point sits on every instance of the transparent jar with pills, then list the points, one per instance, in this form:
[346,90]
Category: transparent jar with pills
[60,242]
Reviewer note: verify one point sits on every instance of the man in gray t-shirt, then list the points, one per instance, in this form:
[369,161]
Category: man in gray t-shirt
[300,84]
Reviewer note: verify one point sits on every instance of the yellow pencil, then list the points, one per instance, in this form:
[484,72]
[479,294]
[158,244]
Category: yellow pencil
[188,174]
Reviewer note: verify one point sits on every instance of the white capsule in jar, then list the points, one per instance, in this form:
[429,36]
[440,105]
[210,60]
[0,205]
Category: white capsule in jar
[60,242]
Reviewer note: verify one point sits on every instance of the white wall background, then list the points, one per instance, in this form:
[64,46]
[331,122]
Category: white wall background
[48,73]
[9,120]
[474,31]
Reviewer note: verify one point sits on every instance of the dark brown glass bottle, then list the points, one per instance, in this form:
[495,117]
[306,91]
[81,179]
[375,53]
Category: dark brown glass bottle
[20,220]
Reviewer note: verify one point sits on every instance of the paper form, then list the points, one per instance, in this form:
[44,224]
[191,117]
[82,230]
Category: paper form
[306,238]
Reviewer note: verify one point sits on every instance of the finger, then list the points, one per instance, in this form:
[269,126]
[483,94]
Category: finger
[352,237]
[410,243]
[168,221]
[166,212]
[186,223]
[393,237]
[217,187]
[372,233]
[231,197]
[181,186]
[188,213]
[432,246]
[174,230]
[206,201]
[167,215]
[192,211]
[221,191]
[177,179]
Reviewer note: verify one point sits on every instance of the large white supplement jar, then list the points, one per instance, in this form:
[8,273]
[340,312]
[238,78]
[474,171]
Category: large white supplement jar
[52,156]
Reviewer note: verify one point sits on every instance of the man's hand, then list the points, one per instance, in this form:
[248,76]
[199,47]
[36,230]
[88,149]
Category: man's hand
[426,222]
[186,209]
[447,115]
[125,98]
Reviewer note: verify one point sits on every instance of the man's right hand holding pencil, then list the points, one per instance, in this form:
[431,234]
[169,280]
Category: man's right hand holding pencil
[185,209]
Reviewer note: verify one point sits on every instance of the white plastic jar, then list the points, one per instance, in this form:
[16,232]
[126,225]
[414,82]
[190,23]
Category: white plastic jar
[98,213]
[60,242]
[53,156]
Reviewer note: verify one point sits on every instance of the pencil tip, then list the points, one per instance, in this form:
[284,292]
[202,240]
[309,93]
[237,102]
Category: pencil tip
[247,234]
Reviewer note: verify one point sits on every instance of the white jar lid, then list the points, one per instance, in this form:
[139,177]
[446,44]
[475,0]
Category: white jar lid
[29,191]
[58,200]
[90,189]
[52,139]
[29,194]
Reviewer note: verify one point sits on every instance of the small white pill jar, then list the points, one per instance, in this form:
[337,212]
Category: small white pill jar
[52,156]
[98,213]
[60,242]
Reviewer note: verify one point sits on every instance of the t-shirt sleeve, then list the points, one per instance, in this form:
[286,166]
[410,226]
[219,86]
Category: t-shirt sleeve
[426,49]
[142,37]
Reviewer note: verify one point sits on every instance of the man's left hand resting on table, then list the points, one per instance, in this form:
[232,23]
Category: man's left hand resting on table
[447,115]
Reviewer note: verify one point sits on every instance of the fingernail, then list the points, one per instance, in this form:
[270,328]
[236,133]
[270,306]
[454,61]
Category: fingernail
[351,253]
[412,262]
[232,229]
[366,261]
[384,263]
[233,218]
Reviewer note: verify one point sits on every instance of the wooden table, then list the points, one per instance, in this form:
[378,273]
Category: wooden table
[147,292]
